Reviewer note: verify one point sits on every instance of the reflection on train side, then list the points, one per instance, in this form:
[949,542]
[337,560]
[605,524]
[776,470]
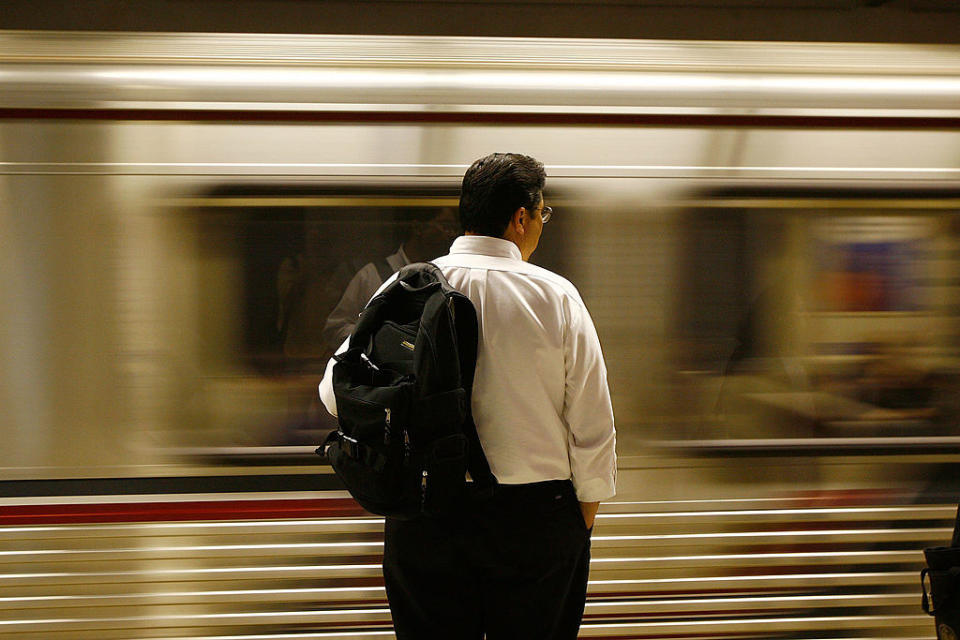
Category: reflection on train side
[301,264]
[811,314]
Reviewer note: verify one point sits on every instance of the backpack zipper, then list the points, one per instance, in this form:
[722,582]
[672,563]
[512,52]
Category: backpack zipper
[386,432]
[406,446]
[369,362]
[423,490]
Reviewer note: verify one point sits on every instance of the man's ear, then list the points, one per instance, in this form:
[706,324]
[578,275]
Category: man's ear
[517,220]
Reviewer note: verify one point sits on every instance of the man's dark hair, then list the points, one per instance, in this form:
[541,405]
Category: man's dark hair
[494,187]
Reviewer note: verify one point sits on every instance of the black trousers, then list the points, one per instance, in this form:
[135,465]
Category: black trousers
[511,566]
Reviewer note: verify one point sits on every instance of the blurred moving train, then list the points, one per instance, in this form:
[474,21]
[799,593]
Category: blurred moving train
[767,234]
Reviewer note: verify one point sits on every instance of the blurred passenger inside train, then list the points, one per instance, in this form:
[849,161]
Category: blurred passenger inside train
[429,236]
[903,385]
[896,384]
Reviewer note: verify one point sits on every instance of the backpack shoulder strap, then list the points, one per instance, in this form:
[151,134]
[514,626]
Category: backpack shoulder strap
[454,319]
[466,333]
[449,321]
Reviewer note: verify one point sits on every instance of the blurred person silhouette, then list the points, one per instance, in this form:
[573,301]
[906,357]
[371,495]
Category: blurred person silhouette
[304,298]
[891,379]
[513,565]
[904,385]
[429,235]
[317,305]
[767,360]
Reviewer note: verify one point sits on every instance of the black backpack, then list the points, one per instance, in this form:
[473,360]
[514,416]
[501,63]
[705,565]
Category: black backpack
[943,572]
[406,437]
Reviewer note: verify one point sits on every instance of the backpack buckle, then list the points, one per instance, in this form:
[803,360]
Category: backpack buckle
[349,445]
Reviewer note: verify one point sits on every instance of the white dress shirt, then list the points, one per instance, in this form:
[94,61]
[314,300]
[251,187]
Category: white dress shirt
[540,397]
[364,284]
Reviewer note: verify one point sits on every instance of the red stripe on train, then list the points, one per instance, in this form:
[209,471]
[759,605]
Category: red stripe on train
[179,511]
[485,117]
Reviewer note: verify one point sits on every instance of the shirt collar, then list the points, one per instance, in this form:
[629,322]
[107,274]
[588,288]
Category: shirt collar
[486,246]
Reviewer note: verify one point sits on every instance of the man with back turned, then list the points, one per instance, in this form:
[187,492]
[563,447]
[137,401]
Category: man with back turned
[513,565]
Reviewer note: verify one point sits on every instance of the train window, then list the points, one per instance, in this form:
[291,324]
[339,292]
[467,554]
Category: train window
[281,273]
[794,313]
[818,313]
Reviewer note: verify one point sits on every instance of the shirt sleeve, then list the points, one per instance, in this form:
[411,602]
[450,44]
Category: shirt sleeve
[327,397]
[587,410]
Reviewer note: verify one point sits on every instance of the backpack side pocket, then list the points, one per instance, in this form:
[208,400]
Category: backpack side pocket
[444,475]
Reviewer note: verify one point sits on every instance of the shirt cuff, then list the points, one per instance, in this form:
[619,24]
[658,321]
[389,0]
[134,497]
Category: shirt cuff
[595,489]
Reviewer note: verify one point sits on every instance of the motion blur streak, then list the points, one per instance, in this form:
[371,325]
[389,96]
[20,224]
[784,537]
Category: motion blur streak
[766,234]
